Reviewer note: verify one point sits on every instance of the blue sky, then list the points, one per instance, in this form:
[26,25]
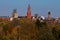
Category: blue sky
[40,7]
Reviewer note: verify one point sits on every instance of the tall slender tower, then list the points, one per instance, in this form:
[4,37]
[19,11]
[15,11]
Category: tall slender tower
[15,14]
[29,15]
[49,15]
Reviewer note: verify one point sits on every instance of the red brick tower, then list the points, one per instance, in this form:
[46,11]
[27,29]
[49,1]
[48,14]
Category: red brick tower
[29,15]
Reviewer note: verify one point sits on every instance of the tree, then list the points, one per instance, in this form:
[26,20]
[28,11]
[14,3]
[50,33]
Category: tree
[38,24]
[56,33]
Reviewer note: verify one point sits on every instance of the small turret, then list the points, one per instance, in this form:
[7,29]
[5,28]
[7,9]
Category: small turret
[15,14]
[49,15]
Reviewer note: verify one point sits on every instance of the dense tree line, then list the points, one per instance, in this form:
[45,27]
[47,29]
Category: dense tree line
[26,29]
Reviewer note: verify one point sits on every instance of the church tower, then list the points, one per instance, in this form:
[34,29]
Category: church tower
[49,15]
[29,15]
[15,14]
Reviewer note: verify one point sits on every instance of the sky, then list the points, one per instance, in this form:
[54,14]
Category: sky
[41,7]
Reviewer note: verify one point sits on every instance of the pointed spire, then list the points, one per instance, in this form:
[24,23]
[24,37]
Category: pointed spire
[29,12]
[28,6]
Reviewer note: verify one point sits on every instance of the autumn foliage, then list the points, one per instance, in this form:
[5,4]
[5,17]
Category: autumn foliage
[26,29]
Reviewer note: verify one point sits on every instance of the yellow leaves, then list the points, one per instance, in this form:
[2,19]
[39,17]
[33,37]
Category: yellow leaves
[21,21]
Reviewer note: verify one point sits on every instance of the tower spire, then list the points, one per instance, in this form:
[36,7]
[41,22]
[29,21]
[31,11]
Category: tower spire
[29,15]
